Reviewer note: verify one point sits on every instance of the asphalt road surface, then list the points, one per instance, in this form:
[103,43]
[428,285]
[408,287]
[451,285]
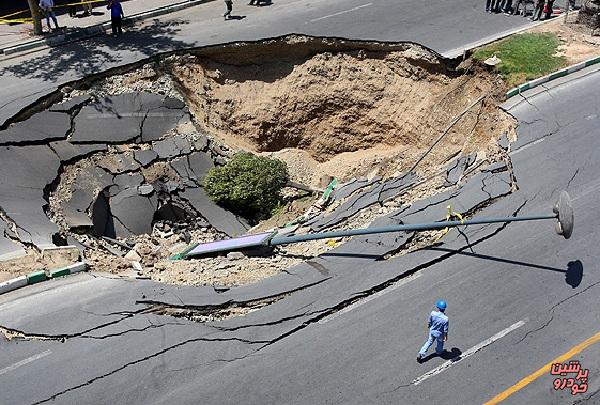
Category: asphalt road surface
[444,25]
[346,329]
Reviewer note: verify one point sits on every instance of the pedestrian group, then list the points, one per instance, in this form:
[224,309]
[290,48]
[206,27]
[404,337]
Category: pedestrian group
[116,13]
[513,7]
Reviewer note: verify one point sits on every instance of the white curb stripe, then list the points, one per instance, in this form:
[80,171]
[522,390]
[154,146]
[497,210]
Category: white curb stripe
[369,298]
[13,284]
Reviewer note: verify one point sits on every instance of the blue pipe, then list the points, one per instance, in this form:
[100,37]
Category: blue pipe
[284,240]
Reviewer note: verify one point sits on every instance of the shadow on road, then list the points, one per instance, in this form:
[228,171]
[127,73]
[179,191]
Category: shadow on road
[99,53]
[573,273]
[453,355]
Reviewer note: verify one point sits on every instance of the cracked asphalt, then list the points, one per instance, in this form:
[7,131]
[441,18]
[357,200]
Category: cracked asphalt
[348,326]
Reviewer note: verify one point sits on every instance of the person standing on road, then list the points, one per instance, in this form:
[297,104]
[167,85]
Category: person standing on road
[438,330]
[538,7]
[549,9]
[116,16]
[87,7]
[46,6]
[229,4]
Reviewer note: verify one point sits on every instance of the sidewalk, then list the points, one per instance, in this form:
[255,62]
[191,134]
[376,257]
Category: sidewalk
[20,37]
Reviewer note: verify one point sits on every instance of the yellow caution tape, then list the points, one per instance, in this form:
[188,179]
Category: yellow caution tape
[449,215]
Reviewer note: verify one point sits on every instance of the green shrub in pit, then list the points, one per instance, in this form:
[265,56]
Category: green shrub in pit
[249,185]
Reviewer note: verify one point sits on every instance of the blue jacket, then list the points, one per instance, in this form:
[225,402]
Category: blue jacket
[438,323]
[116,10]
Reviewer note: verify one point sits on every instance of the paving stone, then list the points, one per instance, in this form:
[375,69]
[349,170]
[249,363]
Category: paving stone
[66,151]
[218,217]
[43,126]
[71,104]
[145,157]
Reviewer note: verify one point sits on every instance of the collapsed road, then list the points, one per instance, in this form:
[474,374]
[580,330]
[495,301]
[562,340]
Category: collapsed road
[316,333]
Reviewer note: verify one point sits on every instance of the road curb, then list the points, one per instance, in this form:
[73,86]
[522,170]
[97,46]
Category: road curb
[41,276]
[98,29]
[555,75]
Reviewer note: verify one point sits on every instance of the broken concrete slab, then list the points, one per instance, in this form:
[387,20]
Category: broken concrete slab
[119,163]
[201,143]
[145,157]
[146,189]
[9,248]
[172,147]
[75,211]
[200,163]
[350,207]
[25,173]
[128,180]
[113,120]
[394,187]
[457,168]
[218,217]
[70,105]
[66,151]
[132,213]
[43,126]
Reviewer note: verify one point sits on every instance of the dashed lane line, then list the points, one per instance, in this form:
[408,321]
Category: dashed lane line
[24,361]
[369,298]
[340,12]
[469,352]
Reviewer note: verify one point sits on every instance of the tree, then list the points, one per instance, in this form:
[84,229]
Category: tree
[249,185]
[36,17]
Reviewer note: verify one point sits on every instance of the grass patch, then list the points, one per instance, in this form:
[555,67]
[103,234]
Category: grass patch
[524,56]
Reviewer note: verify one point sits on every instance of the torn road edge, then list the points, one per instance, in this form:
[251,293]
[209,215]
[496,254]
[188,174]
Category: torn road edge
[39,276]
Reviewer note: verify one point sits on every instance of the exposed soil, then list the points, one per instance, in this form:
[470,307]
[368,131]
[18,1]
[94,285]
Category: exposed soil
[326,108]
[577,43]
[345,114]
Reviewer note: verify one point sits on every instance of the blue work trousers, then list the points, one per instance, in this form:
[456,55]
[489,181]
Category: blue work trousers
[439,348]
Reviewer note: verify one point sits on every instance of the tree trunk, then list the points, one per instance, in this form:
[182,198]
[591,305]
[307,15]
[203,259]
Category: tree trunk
[36,17]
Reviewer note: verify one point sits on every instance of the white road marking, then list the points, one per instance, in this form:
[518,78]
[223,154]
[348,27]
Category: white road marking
[369,298]
[341,12]
[23,362]
[469,352]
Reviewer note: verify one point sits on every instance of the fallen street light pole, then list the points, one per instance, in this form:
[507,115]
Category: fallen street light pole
[562,213]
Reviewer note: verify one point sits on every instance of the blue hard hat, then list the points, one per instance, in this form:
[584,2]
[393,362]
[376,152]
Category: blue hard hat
[441,304]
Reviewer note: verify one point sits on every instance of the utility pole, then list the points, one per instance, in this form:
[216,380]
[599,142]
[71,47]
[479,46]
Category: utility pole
[36,17]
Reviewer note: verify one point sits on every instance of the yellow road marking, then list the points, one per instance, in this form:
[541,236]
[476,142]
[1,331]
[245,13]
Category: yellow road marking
[544,370]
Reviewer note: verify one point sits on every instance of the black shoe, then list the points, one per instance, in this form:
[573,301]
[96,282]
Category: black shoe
[419,359]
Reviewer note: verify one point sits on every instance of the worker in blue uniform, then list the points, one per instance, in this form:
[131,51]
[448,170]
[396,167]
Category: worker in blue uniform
[438,330]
